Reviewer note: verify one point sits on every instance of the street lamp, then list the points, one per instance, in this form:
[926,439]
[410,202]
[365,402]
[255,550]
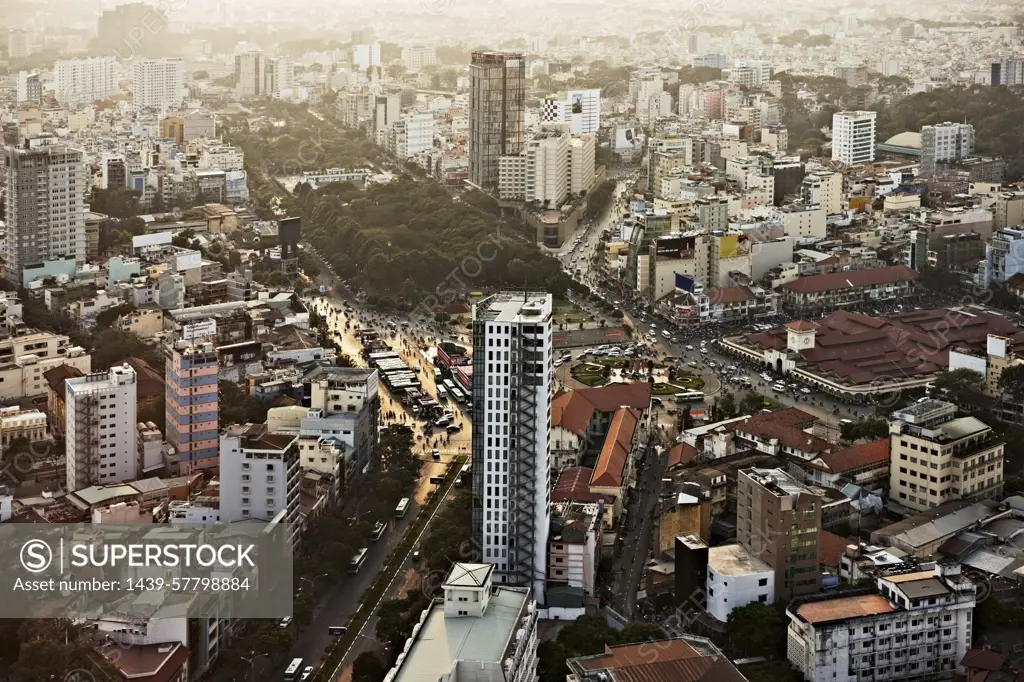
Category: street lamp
[312,581]
[252,663]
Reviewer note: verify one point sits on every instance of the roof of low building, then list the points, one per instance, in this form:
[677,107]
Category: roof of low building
[685,659]
[874,453]
[843,608]
[573,485]
[851,279]
[611,463]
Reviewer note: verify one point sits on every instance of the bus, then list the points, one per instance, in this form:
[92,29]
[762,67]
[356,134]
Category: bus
[690,397]
[442,393]
[357,561]
[402,508]
[294,670]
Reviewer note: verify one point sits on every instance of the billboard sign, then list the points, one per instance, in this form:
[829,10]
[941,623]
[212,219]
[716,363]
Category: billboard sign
[684,282]
[733,246]
[199,330]
[676,247]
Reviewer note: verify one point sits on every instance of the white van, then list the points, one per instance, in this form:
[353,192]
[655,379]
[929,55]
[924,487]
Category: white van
[665,333]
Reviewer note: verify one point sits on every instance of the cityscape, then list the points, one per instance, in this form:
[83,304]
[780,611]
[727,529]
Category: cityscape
[543,341]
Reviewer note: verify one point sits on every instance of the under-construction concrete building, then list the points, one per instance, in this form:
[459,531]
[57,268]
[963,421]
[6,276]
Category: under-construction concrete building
[100,410]
[496,113]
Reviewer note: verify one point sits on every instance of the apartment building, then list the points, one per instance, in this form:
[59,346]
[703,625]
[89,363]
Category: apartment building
[260,476]
[914,626]
[348,398]
[574,550]
[1009,210]
[800,220]
[278,76]
[823,189]
[158,83]
[100,428]
[582,155]
[476,627]
[853,137]
[945,143]
[192,403]
[25,359]
[936,457]
[416,58]
[44,188]
[777,522]
[82,81]
[19,43]
[512,361]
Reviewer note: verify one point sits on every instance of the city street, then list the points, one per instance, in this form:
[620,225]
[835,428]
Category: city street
[635,535]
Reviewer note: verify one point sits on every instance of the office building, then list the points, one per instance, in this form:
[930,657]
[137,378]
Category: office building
[183,128]
[935,457]
[912,626]
[1008,71]
[158,83]
[777,522]
[192,403]
[475,629]
[44,188]
[100,428]
[19,44]
[250,74]
[945,143]
[512,363]
[1009,210]
[81,81]
[416,58]
[496,113]
[260,476]
[853,137]
[419,132]
[278,76]
[581,109]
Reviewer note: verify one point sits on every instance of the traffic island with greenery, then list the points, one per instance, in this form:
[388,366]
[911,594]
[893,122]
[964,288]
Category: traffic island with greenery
[369,599]
[591,373]
[685,379]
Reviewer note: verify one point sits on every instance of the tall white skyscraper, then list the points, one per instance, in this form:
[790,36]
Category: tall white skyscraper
[78,81]
[44,188]
[512,373]
[853,137]
[101,428]
[158,83]
[365,56]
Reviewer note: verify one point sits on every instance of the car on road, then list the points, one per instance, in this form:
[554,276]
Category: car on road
[454,428]
[779,388]
[442,422]
[692,363]
[688,347]
[306,672]
[805,390]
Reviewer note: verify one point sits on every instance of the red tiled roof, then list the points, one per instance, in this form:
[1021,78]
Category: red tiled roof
[676,660]
[636,394]
[56,376]
[856,349]
[983,659]
[573,485]
[729,294]
[857,457]
[150,383]
[681,455]
[852,279]
[801,326]
[786,426]
[572,411]
[611,463]
[831,548]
